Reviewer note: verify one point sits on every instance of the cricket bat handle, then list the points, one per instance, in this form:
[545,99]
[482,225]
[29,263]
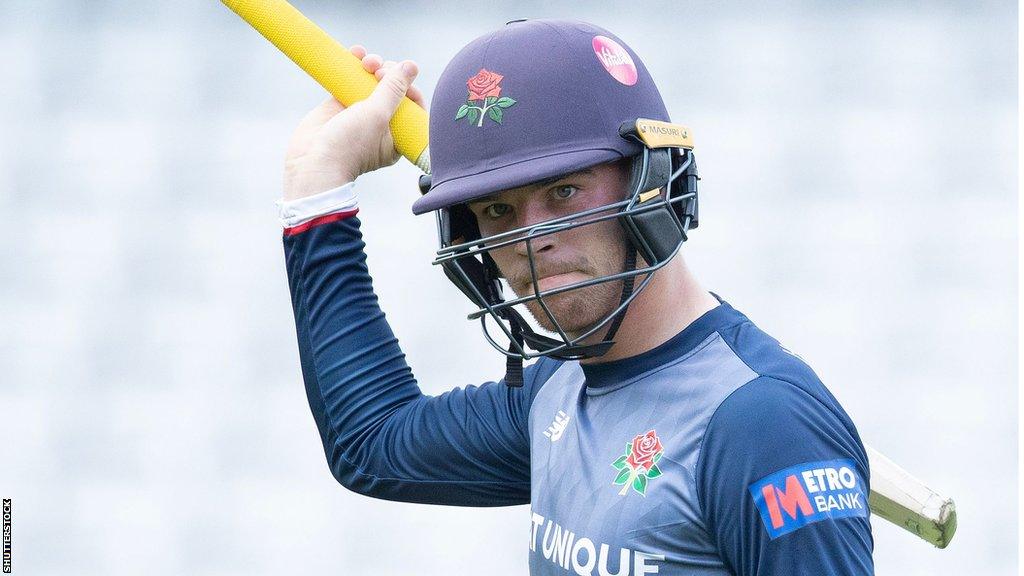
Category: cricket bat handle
[334,68]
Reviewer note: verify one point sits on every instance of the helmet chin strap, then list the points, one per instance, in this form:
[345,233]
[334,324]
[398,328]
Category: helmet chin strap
[522,333]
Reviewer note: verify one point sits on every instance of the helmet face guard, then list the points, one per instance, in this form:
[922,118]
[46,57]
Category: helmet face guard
[657,212]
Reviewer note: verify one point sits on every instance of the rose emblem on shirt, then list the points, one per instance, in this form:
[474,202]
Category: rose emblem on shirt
[484,99]
[639,464]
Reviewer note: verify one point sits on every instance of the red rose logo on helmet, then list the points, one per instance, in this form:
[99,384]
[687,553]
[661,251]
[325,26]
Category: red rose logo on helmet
[639,464]
[484,85]
[484,99]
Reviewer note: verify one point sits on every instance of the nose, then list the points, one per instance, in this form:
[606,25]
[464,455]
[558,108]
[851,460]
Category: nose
[531,214]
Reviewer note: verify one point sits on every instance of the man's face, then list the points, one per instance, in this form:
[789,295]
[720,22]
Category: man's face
[567,257]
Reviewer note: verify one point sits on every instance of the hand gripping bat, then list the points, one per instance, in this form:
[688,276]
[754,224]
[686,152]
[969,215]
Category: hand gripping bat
[334,68]
[895,495]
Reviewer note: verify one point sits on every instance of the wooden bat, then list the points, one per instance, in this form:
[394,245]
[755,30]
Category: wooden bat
[909,503]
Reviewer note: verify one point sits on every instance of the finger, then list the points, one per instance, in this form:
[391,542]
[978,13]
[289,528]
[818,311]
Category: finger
[384,68]
[372,63]
[393,86]
[416,95]
[358,50]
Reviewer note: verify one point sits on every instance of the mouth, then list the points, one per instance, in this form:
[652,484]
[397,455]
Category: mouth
[557,280]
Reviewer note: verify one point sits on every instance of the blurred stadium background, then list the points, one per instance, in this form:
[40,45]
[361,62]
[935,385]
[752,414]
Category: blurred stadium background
[859,203]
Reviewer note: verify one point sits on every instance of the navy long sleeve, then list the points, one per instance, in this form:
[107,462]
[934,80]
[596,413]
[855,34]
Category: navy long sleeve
[381,435]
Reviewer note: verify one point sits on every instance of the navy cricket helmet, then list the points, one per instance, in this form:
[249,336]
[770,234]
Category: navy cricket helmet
[539,99]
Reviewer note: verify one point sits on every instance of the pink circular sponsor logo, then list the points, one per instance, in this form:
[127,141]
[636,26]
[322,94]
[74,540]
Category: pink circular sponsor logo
[615,60]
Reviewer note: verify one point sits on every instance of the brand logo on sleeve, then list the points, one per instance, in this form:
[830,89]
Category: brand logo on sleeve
[810,492]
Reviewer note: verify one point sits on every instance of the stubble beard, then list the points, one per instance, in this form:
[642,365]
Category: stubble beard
[579,309]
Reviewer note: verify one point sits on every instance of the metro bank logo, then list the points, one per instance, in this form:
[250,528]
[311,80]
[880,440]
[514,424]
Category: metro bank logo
[809,492]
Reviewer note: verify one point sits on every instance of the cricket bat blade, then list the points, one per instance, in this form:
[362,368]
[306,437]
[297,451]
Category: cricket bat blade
[907,502]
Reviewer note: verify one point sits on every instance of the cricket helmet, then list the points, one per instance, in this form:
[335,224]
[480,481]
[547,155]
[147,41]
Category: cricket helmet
[534,100]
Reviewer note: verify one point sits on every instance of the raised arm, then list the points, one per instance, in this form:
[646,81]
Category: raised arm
[381,436]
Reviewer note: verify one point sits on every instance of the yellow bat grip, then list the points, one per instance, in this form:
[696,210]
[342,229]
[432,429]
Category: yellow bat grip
[333,67]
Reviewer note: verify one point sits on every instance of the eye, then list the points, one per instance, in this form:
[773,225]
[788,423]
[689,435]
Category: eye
[495,211]
[564,192]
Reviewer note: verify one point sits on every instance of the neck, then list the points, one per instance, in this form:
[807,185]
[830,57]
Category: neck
[670,303]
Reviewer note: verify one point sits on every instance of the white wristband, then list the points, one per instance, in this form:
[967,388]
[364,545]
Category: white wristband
[295,212]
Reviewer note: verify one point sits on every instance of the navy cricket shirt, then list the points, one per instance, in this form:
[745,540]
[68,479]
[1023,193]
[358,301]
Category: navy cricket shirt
[718,452]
